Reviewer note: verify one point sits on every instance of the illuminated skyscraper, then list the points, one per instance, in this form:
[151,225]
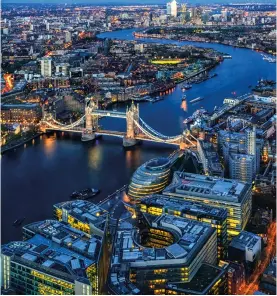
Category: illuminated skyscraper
[171,8]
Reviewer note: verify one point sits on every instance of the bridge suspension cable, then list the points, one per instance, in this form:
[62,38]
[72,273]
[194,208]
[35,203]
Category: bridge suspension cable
[156,138]
[156,133]
[63,126]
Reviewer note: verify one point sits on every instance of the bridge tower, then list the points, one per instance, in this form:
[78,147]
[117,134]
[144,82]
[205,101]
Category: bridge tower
[91,120]
[132,115]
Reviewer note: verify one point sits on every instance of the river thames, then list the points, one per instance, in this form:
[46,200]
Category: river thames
[47,170]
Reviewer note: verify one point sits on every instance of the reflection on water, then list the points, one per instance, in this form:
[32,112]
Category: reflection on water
[184,106]
[133,158]
[49,145]
[95,155]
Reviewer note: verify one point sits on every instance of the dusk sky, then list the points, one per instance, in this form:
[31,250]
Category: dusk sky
[97,2]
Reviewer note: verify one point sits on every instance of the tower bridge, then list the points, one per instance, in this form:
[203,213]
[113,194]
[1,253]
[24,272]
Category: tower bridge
[136,129]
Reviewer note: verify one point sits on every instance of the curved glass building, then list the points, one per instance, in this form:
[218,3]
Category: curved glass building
[151,177]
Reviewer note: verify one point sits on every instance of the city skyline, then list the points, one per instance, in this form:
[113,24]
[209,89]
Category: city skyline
[138,145]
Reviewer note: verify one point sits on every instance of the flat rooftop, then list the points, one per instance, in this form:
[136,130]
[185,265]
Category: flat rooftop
[44,254]
[188,207]
[242,157]
[85,211]
[190,235]
[64,235]
[245,240]
[206,276]
[207,187]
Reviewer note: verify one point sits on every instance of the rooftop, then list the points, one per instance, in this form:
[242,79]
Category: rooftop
[67,236]
[208,187]
[245,240]
[190,235]
[184,206]
[85,211]
[65,254]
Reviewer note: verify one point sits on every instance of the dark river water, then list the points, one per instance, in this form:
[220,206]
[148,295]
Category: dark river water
[47,170]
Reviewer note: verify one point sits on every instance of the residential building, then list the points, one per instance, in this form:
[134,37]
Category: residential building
[46,67]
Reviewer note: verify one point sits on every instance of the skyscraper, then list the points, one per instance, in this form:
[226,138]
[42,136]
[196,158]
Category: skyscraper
[171,8]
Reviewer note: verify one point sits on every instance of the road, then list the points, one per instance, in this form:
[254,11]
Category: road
[268,253]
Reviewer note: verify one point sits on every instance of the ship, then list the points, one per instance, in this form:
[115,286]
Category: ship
[18,221]
[154,100]
[186,86]
[196,100]
[184,97]
[227,56]
[213,75]
[85,194]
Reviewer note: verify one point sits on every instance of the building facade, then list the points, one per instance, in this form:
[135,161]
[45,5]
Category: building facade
[233,195]
[20,113]
[163,249]
[217,217]
[151,177]
[46,67]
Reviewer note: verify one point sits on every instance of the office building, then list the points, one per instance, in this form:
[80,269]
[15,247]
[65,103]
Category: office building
[163,249]
[209,280]
[171,8]
[242,153]
[46,67]
[151,177]
[242,167]
[54,259]
[233,195]
[82,215]
[245,248]
[217,217]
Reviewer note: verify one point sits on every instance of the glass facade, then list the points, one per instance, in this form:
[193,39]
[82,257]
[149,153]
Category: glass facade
[152,177]
[159,204]
[232,195]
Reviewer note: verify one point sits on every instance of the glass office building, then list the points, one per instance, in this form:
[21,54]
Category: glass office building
[54,259]
[216,217]
[163,249]
[233,195]
[151,177]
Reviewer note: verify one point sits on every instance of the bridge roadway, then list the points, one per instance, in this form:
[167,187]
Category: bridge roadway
[109,113]
[141,137]
[117,134]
